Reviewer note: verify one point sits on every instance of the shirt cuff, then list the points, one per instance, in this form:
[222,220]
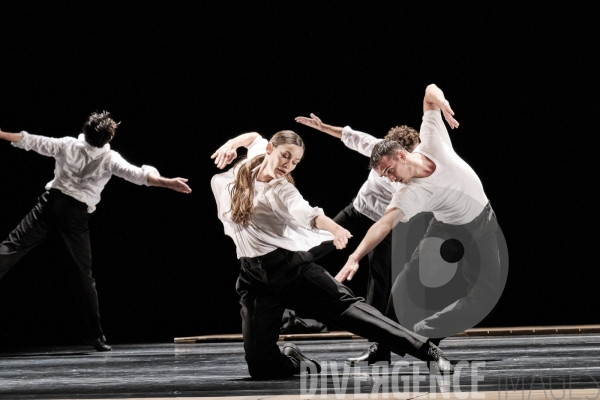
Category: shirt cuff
[21,142]
[146,170]
[314,213]
[257,147]
[346,134]
[256,140]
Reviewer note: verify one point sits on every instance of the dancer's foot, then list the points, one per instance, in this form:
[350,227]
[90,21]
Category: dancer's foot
[99,344]
[436,358]
[292,351]
[375,354]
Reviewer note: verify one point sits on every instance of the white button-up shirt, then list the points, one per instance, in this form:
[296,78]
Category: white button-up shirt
[82,170]
[376,193]
[282,218]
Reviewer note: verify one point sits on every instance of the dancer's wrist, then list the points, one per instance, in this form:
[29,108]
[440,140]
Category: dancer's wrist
[354,257]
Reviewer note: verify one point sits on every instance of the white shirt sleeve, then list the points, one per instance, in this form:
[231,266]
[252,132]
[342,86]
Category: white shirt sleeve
[219,184]
[257,147]
[129,172]
[292,206]
[407,200]
[46,146]
[434,125]
[359,141]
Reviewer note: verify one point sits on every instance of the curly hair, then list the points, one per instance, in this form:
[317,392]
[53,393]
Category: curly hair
[242,189]
[99,128]
[405,135]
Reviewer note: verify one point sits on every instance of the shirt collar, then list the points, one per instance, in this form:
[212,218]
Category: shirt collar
[94,152]
[272,182]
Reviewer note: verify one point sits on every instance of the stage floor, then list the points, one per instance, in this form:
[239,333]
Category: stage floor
[529,366]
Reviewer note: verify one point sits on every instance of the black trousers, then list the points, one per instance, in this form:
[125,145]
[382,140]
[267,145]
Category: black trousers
[285,279]
[58,213]
[453,310]
[379,279]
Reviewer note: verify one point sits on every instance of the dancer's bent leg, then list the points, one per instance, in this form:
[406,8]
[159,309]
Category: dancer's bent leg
[261,318]
[316,291]
[482,270]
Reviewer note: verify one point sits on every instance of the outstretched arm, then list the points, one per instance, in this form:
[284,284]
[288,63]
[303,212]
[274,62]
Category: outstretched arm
[46,146]
[316,123]
[327,224]
[177,184]
[228,152]
[10,137]
[146,175]
[292,206]
[374,236]
[435,100]
[354,140]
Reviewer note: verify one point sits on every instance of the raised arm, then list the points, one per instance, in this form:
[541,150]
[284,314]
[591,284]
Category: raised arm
[316,123]
[435,100]
[176,184]
[228,152]
[144,175]
[374,236]
[10,137]
[354,140]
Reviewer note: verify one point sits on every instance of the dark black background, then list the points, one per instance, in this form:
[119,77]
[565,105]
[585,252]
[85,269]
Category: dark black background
[183,77]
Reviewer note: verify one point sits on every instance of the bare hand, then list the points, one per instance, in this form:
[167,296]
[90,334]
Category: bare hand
[449,114]
[313,121]
[341,237]
[224,155]
[348,271]
[179,185]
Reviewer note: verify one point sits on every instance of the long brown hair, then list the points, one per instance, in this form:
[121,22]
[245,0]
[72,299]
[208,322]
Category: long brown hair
[242,188]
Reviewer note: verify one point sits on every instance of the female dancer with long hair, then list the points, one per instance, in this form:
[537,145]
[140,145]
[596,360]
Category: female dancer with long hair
[273,228]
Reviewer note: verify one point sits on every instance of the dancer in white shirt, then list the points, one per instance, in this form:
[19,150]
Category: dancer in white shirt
[273,228]
[437,180]
[83,167]
[367,207]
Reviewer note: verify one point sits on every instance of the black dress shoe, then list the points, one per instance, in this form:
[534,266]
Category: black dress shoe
[99,344]
[436,358]
[375,354]
[292,351]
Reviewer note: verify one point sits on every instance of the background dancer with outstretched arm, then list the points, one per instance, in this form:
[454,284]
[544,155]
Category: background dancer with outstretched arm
[83,167]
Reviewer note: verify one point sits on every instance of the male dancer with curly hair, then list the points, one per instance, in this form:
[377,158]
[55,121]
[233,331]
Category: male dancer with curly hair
[365,209]
[83,167]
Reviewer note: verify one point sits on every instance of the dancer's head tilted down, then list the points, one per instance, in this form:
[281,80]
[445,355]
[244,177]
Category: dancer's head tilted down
[283,153]
[100,128]
[390,159]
